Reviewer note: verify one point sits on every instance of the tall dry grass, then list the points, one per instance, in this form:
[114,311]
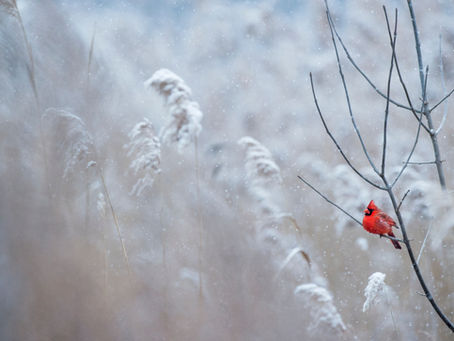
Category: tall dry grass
[276,262]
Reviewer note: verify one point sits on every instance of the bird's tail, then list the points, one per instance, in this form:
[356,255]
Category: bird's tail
[395,242]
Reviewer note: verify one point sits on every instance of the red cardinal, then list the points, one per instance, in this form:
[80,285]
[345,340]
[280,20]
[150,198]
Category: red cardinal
[378,222]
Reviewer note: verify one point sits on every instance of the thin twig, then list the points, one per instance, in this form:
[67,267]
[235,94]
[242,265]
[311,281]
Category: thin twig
[350,58]
[426,111]
[424,162]
[424,242]
[388,90]
[347,96]
[335,141]
[404,87]
[407,162]
[342,210]
[417,43]
[403,198]
[443,85]
[330,201]
[442,100]
[410,154]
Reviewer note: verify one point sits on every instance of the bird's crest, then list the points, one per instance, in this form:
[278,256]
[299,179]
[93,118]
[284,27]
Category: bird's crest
[372,206]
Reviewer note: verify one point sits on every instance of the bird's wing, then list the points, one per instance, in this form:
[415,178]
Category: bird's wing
[386,218]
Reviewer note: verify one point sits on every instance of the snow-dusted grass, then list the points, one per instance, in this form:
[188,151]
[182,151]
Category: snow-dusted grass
[276,262]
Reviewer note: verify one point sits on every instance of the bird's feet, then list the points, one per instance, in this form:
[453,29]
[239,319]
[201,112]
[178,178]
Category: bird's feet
[392,238]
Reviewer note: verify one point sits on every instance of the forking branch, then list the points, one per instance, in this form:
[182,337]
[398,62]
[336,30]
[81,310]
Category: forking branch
[425,105]
[427,124]
[387,185]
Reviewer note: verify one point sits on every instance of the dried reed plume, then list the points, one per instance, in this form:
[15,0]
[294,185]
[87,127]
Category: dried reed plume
[185,126]
[322,308]
[260,166]
[183,129]
[10,6]
[375,289]
[263,174]
[145,148]
[76,144]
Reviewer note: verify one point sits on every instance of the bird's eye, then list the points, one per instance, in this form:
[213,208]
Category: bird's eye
[369,212]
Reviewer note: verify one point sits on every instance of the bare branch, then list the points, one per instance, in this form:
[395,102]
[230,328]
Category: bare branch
[347,96]
[408,99]
[425,162]
[442,100]
[330,201]
[350,58]
[417,43]
[402,200]
[388,90]
[404,87]
[427,113]
[336,143]
[411,152]
[443,84]
[342,210]
[387,186]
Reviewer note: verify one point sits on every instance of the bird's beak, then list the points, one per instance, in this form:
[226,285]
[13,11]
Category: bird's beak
[366,211]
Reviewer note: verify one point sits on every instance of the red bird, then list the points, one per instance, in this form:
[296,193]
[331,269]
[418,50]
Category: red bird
[378,222]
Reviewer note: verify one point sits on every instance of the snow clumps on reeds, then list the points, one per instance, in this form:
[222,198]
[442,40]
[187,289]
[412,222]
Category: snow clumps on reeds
[10,6]
[145,148]
[261,174]
[375,290]
[322,309]
[76,143]
[260,166]
[185,124]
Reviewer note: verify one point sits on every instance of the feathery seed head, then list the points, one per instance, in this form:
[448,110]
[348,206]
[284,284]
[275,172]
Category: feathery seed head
[374,290]
[145,147]
[322,308]
[260,166]
[76,143]
[10,6]
[184,126]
